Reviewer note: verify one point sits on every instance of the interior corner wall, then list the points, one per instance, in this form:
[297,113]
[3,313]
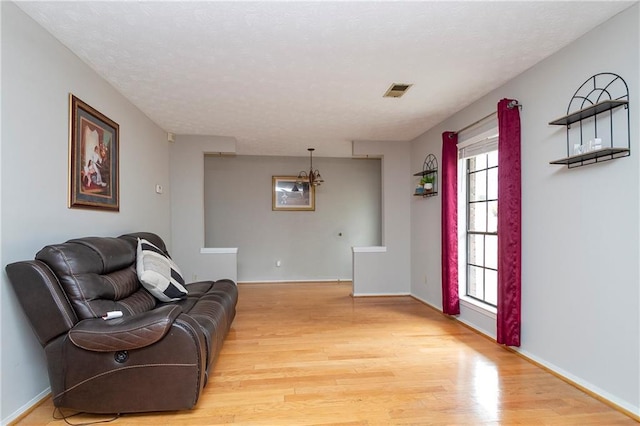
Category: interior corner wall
[187,206]
[309,245]
[38,73]
[392,273]
[580,251]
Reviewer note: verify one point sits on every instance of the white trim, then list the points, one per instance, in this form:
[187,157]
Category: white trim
[625,405]
[482,308]
[34,402]
[212,250]
[466,303]
[373,249]
[552,367]
[437,308]
[489,134]
[580,382]
[477,329]
[379,294]
[328,280]
[486,141]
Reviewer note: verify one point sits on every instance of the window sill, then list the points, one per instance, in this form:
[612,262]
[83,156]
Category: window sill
[479,307]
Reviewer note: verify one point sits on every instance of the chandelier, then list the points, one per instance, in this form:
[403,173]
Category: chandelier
[313,176]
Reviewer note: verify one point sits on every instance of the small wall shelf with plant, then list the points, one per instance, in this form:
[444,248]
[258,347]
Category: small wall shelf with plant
[428,184]
[599,111]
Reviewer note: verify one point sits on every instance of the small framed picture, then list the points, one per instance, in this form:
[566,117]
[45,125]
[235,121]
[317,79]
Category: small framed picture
[291,194]
[93,158]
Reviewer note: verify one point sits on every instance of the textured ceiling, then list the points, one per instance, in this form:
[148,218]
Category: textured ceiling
[284,76]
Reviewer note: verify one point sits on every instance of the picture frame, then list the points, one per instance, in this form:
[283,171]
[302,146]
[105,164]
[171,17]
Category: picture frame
[94,148]
[289,195]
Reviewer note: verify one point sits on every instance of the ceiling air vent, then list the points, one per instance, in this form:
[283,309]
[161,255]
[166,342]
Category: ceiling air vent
[396,90]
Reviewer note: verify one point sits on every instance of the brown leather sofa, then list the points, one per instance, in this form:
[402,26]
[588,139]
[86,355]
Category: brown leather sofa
[156,357]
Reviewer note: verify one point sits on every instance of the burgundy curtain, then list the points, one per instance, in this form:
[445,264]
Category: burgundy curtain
[509,227]
[450,300]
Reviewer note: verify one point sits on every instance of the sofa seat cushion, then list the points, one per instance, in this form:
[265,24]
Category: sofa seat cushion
[224,292]
[158,273]
[206,311]
[199,288]
[225,288]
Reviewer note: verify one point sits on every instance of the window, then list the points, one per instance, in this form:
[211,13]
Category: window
[478,218]
[482,227]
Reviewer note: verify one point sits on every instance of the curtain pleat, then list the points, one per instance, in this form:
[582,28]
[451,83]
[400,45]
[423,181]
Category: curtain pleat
[450,297]
[509,224]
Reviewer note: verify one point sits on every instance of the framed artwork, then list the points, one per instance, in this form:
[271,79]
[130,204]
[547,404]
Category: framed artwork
[93,158]
[289,195]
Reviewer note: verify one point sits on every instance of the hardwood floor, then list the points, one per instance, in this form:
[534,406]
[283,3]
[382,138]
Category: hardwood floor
[310,354]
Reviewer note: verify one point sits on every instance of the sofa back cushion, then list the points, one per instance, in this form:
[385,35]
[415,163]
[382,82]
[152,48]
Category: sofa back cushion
[98,275]
[132,238]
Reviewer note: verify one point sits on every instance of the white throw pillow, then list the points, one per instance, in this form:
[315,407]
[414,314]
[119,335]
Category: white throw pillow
[158,273]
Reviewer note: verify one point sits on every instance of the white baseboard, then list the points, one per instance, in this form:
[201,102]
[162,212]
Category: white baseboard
[27,407]
[437,308]
[477,329]
[595,390]
[591,389]
[330,280]
[380,294]
[580,383]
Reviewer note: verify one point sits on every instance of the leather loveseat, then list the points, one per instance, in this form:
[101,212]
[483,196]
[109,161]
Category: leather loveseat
[155,357]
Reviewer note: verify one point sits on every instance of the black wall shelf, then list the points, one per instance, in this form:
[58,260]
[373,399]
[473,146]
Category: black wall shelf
[429,170]
[600,94]
[600,154]
[587,112]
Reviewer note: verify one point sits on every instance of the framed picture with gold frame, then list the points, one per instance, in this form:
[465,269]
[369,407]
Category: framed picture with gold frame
[94,141]
[289,194]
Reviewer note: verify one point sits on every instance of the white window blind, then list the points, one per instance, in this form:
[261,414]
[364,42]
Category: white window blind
[478,144]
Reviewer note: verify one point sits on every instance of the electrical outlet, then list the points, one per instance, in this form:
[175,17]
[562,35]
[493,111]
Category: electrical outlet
[425,278]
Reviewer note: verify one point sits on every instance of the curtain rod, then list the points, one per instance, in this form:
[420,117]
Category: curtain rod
[512,104]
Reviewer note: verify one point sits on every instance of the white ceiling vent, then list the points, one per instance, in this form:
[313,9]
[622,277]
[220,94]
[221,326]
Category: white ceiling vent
[396,90]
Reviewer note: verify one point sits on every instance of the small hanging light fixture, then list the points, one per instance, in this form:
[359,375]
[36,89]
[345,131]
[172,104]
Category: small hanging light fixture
[313,176]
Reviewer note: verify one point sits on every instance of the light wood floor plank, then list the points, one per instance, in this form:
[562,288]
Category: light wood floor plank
[310,354]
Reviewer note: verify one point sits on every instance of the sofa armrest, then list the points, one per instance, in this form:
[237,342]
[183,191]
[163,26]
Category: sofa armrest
[42,298]
[125,333]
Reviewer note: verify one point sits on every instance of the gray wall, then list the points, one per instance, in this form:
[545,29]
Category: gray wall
[387,272]
[580,227]
[580,317]
[37,75]
[187,207]
[238,213]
